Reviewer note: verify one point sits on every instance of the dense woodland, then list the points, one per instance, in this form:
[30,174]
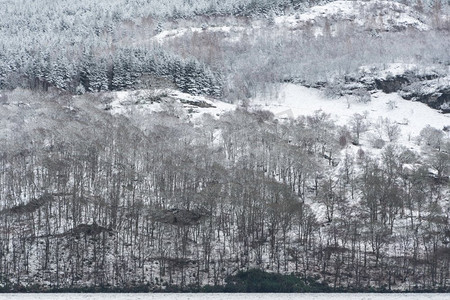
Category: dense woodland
[85,47]
[91,199]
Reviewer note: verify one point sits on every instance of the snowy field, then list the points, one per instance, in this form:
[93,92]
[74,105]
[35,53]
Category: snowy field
[223,296]
[411,117]
[295,100]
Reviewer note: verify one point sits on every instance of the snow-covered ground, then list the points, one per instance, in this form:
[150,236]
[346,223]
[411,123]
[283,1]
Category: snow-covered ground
[380,15]
[126,103]
[179,32]
[296,100]
[382,71]
[222,296]
[377,15]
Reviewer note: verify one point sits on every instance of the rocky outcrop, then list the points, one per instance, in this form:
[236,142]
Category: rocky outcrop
[411,83]
[391,83]
[435,93]
[197,103]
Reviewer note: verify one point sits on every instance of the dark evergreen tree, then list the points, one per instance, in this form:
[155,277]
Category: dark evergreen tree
[99,76]
[87,70]
[61,73]
[177,72]
[190,78]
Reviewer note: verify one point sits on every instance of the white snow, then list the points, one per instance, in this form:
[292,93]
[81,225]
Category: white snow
[295,100]
[382,15]
[179,32]
[127,102]
[382,71]
[393,69]
[172,33]
[377,15]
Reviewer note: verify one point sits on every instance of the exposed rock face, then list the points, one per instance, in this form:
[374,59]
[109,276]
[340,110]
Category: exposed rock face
[429,87]
[435,93]
[197,103]
[391,84]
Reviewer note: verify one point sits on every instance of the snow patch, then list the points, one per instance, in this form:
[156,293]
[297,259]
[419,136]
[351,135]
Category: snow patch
[179,32]
[127,102]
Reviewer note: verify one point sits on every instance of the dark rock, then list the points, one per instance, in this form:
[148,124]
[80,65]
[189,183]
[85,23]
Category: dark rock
[443,99]
[429,87]
[391,84]
[428,92]
[197,103]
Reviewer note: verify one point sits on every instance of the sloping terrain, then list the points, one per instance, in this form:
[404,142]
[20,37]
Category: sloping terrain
[174,148]
[168,188]
[368,15]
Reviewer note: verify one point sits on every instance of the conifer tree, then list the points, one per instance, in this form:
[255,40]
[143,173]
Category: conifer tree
[86,70]
[99,76]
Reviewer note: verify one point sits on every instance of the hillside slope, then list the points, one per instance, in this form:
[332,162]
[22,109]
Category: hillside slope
[171,149]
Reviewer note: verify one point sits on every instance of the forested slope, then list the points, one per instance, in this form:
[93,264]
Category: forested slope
[90,199]
[81,47]
[156,188]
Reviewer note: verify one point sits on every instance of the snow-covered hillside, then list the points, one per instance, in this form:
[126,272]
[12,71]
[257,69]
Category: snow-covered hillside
[296,100]
[171,145]
[379,15]
[293,101]
[369,15]
[146,102]
[381,111]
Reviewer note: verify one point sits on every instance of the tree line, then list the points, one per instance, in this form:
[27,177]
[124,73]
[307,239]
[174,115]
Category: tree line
[122,70]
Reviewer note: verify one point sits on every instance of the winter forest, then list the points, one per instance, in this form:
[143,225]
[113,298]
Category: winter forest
[183,145]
